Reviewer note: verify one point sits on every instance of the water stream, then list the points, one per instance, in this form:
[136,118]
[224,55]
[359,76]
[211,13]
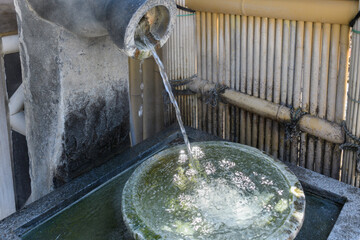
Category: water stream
[168,89]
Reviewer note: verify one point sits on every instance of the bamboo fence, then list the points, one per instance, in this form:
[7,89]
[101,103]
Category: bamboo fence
[296,64]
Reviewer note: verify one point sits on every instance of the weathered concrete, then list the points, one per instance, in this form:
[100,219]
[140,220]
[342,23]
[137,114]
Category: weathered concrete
[76,100]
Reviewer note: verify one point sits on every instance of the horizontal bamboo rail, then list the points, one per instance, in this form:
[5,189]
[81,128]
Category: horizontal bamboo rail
[315,126]
[324,11]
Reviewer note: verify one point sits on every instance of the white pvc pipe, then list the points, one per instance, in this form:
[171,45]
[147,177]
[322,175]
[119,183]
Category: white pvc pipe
[17,123]
[10,44]
[16,103]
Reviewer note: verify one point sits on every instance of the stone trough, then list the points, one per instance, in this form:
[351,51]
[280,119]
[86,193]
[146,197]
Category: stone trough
[90,206]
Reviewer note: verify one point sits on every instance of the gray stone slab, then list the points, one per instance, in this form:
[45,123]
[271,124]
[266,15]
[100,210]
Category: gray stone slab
[76,100]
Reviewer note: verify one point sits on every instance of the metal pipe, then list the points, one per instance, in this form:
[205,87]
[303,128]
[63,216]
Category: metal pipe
[325,11]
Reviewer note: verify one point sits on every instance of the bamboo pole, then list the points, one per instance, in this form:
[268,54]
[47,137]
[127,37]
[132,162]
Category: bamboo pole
[331,95]
[256,89]
[306,87]
[136,101]
[291,78]
[284,81]
[270,81]
[341,93]
[243,76]
[159,110]
[233,73]
[227,73]
[263,53]
[314,82]
[249,74]
[330,11]
[238,74]
[221,73]
[323,91]
[277,82]
[203,67]
[199,65]
[149,117]
[355,124]
[209,66]
[315,126]
[215,76]
[297,84]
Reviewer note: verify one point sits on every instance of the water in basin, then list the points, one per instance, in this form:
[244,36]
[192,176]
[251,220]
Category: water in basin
[241,194]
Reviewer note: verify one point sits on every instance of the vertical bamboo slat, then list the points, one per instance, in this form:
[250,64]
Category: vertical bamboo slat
[270,80]
[243,76]
[284,81]
[290,83]
[257,31]
[292,63]
[263,53]
[331,95]
[277,82]
[249,74]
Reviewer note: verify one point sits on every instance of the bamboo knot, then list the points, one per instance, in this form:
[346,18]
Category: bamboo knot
[292,129]
[213,95]
[352,146]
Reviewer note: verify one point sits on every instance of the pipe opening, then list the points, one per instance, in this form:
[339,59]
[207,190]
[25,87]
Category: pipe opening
[152,26]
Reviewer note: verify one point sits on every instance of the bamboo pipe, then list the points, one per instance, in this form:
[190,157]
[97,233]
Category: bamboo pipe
[330,11]
[315,126]
[149,98]
[136,101]
[159,103]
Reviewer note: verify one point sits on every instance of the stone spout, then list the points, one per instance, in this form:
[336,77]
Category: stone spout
[123,20]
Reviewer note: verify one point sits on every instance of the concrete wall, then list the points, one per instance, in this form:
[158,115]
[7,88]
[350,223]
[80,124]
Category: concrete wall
[76,100]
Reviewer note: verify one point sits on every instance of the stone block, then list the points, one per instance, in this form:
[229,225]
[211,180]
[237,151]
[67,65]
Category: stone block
[76,100]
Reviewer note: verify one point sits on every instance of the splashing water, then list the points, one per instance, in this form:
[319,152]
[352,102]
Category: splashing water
[167,85]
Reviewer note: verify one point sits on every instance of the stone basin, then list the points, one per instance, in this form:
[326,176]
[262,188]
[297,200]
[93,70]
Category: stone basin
[238,193]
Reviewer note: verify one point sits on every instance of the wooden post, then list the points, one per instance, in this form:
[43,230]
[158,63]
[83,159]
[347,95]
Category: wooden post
[7,193]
